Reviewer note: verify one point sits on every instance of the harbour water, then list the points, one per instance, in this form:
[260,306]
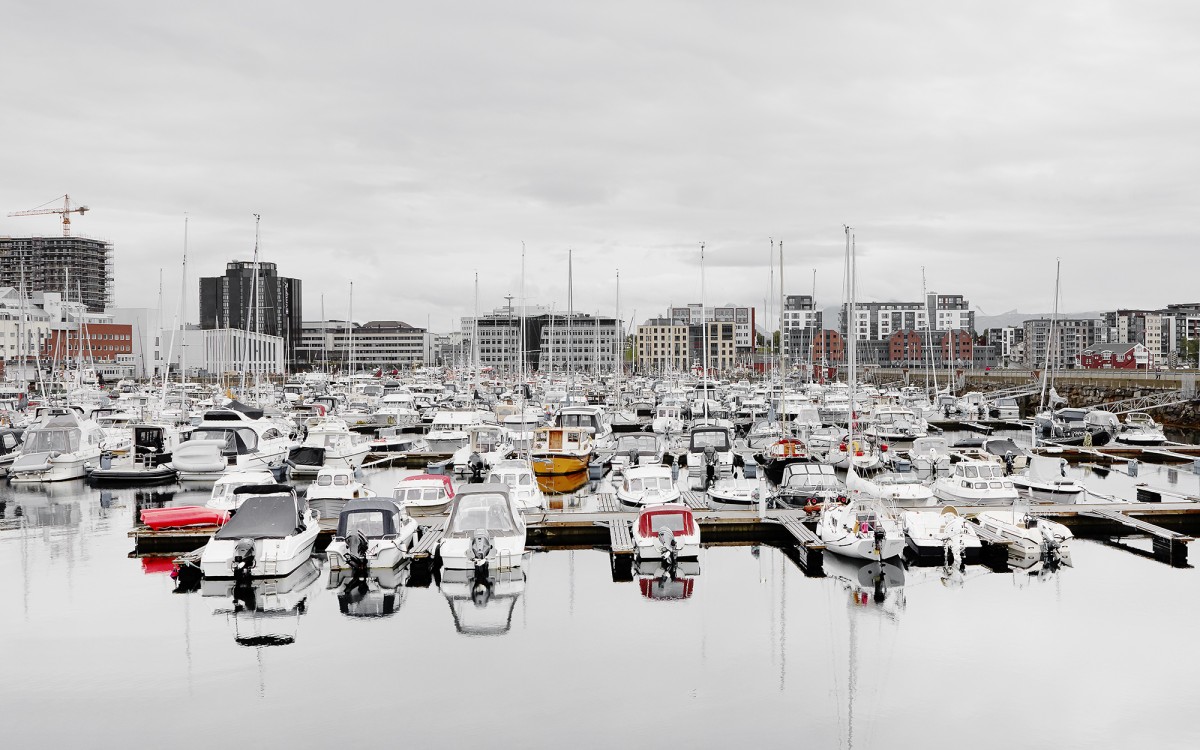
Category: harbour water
[100,650]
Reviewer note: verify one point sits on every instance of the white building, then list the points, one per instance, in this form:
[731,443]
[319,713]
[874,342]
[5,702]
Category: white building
[874,321]
[149,351]
[229,351]
[378,343]
[741,317]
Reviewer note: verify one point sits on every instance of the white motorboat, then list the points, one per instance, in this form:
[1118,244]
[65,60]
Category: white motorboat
[487,445]
[902,488]
[1033,539]
[861,527]
[485,531]
[449,430]
[329,443]
[737,492]
[147,462]
[666,532]
[230,440]
[809,486]
[647,485]
[668,419]
[332,489]
[392,440]
[223,495]
[891,424]
[941,535]
[1052,485]
[517,475]
[591,418]
[636,449]
[709,456]
[1139,428]
[976,482]
[371,533]
[271,535]
[424,494]
[58,447]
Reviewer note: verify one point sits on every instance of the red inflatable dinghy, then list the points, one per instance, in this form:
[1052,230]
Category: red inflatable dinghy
[186,515]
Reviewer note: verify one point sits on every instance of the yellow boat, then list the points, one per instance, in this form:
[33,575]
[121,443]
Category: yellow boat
[561,450]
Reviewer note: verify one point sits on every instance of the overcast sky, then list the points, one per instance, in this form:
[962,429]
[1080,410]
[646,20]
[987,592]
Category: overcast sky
[403,146]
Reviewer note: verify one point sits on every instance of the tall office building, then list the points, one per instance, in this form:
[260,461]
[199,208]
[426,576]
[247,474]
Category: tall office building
[225,303]
[78,268]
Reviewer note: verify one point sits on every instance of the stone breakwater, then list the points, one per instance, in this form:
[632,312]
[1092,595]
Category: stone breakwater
[1098,388]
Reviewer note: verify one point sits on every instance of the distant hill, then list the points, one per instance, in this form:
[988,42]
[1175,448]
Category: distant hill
[1014,318]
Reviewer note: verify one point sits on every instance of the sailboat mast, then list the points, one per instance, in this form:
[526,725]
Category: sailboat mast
[249,310]
[1051,339]
[851,343]
[570,315]
[782,331]
[704,330]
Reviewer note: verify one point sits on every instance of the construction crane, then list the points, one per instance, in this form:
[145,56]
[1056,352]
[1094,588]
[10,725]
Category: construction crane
[66,212]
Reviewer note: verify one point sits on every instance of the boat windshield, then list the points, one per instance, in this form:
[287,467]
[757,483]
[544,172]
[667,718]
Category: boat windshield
[481,513]
[44,441]
[577,420]
[672,521]
[640,443]
[710,439]
[371,523]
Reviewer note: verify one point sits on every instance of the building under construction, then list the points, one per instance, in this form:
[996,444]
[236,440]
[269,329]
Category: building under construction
[79,267]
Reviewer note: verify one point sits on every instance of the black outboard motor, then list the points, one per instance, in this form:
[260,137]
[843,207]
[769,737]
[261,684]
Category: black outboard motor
[243,559]
[669,547]
[880,535]
[1009,463]
[475,466]
[710,464]
[633,457]
[356,552]
[481,547]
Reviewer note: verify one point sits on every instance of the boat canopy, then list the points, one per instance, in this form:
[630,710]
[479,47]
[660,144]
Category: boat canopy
[709,437]
[677,518]
[482,507]
[373,517]
[266,516]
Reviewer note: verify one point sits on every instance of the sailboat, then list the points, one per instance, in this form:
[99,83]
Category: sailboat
[863,526]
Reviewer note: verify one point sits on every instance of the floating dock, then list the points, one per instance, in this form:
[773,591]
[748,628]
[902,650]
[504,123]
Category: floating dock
[1171,525]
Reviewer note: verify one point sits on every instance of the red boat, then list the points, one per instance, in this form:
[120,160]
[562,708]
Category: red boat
[182,516]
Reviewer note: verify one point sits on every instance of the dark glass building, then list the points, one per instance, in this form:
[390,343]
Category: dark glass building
[225,303]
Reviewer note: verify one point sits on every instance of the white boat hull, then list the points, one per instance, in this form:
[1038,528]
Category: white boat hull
[272,557]
[507,553]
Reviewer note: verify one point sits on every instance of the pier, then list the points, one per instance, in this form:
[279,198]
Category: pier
[1170,525]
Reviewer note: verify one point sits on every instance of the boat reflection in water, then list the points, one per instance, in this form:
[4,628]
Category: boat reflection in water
[869,583]
[562,484]
[667,583]
[264,612]
[48,504]
[482,606]
[379,594]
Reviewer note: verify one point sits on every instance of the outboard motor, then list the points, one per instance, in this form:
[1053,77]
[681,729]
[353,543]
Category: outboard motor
[475,466]
[356,552]
[710,464]
[669,547]
[633,457]
[243,558]
[481,547]
[1009,463]
[880,535]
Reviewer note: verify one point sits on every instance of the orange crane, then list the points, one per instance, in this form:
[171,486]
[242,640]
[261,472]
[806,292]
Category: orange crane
[66,212]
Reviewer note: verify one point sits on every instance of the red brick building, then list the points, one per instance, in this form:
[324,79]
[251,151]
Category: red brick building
[828,346]
[102,342]
[959,344]
[904,347]
[1119,356]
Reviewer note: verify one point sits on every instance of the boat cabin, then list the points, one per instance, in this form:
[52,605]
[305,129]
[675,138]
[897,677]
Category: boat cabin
[423,487]
[677,518]
[566,439]
[703,438]
[376,519]
[482,507]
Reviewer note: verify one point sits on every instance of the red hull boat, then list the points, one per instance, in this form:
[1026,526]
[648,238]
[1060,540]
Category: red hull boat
[181,516]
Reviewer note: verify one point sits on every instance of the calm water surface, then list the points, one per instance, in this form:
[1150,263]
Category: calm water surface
[100,651]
